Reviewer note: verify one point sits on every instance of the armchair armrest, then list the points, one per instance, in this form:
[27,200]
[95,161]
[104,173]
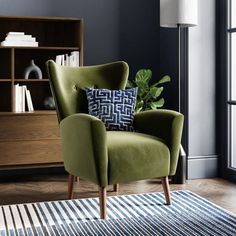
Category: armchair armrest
[84,147]
[165,124]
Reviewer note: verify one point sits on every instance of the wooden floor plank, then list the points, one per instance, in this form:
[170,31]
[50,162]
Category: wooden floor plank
[49,188]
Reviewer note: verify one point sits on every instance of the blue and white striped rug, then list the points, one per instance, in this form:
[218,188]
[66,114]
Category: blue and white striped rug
[142,214]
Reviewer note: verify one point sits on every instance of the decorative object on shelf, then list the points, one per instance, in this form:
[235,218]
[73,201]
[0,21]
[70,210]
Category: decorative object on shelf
[33,68]
[49,103]
[179,14]
[19,39]
[22,95]
[148,97]
[68,60]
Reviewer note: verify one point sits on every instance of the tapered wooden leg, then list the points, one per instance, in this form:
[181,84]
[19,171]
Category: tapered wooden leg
[102,202]
[166,187]
[116,187]
[71,180]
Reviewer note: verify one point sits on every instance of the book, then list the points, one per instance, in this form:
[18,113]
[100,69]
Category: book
[22,97]
[23,93]
[16,90]
[68,60]
[23,38]
[19,39]
[16,44]
[15,33]
[76,57]
[58,59]
[29,100]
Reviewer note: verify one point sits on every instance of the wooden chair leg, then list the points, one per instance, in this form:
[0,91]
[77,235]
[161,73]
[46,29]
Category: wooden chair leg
[116,187]
[76,179]
[102,202]
[71,180]
[166,187]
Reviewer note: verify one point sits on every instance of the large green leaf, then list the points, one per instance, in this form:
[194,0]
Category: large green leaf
[143,76]
[142,85]
[156,91]
[142,91]
[164,79]
[147,95]
[157,104]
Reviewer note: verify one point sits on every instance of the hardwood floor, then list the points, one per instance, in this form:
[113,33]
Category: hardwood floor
[54,187]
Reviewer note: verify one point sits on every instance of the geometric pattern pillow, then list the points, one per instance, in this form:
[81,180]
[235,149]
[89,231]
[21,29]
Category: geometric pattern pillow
[115,108]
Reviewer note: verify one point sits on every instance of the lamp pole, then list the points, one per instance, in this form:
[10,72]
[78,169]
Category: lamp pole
[181,171]
[180,14]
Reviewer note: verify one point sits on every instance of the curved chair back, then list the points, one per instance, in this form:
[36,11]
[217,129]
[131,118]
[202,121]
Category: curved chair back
[68,83]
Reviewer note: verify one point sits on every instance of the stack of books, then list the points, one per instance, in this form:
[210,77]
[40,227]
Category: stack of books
[22,96]
[68,60]
[19,39]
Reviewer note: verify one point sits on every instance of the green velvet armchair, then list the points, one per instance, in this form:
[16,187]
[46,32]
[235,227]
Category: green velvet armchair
[111,157]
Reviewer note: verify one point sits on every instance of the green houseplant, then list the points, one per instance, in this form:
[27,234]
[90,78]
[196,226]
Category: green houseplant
[149,96]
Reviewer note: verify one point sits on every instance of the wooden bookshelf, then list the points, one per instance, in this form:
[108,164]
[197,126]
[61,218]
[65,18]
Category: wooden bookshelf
[29,139]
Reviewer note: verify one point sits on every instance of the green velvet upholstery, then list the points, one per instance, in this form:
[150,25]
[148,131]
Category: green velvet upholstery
[165,124]
[136,156]
[108,157]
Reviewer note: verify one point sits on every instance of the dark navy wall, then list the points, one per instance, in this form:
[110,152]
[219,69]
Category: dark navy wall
[101,26]
[25,7]
[143,44]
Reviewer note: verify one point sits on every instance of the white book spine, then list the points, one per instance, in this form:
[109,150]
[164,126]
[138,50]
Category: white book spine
[24,88]
[17,39]
[29,101]
[21,98]
[19,44]
[68,60]
[76,54]
[71,60]
[16,100]
[15,33]
[58,59]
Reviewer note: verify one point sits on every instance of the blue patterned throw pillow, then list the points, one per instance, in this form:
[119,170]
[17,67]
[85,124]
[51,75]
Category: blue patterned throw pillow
[114,107]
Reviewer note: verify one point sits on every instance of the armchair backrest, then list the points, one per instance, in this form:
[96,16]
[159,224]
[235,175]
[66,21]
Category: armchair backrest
[68,83]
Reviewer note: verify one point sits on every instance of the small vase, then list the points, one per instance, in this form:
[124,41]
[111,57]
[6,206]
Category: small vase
[33,68]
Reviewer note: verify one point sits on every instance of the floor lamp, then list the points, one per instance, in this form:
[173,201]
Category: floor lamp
[179,14]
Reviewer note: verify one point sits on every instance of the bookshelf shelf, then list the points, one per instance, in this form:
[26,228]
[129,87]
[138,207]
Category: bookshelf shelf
[31,80]
[41,48]
[37,132]
[27,113]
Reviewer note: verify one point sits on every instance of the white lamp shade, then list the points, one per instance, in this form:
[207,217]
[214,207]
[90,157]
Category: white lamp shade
[183,13]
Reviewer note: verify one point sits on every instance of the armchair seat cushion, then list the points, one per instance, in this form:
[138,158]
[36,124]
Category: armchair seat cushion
[135,156]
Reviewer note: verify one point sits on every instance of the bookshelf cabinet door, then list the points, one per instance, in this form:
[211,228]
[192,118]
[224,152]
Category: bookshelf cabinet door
[27,139]
[21,153]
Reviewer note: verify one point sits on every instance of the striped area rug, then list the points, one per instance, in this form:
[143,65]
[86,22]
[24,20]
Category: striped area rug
[141,214]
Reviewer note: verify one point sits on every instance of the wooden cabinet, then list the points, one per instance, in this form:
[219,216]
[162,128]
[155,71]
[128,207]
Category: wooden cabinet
[32,138]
